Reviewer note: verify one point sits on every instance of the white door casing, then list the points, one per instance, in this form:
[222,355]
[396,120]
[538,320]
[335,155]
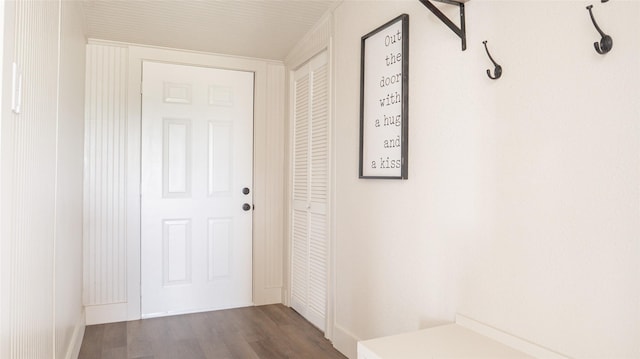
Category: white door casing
[196,238]
[310,190]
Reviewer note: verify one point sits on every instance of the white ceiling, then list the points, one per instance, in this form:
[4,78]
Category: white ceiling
[265,29]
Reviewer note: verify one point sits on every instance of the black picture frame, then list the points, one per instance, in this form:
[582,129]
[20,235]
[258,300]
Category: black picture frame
[384,101]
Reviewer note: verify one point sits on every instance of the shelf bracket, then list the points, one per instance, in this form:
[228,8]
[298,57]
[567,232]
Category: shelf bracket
[460,31]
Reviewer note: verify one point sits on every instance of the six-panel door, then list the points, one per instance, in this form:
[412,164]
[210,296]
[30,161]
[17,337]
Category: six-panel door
[197,149]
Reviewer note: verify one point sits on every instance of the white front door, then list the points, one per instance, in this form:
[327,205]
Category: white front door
[197,150]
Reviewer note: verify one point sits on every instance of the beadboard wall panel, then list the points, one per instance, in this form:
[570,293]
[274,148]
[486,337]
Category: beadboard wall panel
[30,170]
[275,179]
[105,190]
[31,196]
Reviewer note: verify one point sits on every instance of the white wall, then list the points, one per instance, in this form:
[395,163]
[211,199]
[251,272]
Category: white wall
[41,222]
[69,312]
[522,205]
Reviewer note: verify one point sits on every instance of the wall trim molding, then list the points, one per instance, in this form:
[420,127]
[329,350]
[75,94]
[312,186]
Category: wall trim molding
[94,41]
[313,43]
[76,338]
[106,313]
[345,341]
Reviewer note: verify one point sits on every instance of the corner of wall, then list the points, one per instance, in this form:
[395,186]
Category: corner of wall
[312,43]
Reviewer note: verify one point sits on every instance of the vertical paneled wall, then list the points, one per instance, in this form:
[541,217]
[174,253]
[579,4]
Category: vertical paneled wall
[275,179]
[105,276]
[28,203]
[30,166]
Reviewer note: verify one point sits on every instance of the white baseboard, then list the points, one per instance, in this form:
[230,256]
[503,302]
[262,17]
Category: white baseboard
[107,313]
[76,338]
[269,296]
[345,342]
[507,339]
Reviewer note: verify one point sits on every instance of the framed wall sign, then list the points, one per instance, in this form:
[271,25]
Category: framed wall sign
[384,101]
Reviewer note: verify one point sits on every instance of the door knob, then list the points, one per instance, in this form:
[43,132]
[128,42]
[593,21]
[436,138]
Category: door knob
[245,190]
[246,207]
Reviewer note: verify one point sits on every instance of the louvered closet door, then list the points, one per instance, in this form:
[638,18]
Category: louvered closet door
[309,254]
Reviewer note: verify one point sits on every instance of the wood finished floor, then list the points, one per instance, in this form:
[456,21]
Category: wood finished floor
[271,331]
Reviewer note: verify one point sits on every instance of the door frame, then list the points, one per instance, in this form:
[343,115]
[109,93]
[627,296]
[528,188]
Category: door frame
[292,104]
[323,32]
[268,169]
[265,290]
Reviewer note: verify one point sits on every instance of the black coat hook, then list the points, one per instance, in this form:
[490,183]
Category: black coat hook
[498,68]
[606,42]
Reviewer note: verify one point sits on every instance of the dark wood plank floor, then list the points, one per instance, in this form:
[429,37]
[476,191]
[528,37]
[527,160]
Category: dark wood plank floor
[271,331]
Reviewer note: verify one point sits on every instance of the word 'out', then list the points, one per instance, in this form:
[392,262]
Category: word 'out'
[392,39]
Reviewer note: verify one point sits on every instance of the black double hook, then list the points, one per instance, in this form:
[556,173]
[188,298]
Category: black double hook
[606,42]
[497,70]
